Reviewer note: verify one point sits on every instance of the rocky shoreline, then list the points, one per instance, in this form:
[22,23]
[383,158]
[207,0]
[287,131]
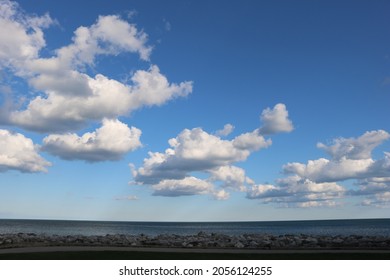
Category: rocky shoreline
[200,240]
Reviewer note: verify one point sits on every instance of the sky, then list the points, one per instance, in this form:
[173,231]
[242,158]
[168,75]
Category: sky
[185,110]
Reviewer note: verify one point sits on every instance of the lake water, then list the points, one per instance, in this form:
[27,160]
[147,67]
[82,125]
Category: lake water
[371,227]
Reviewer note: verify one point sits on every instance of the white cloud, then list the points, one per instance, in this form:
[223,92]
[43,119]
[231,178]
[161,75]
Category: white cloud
[264,191]
[21,36]
[188,186]
[182,187]
[196,150]
[152,88]
[381,200]
[298,185]
[381,167]
[109,99]
[66,83]
[221,195]
[351,159]
[316,182]
[294,191]
[227,129]
[109,142]
[110,35]
[376,191]
[275,120]
[356,149]
[231,176]
[19,153]
[251,141]
[372,186]
[68,97]
[311,204]
[324,170]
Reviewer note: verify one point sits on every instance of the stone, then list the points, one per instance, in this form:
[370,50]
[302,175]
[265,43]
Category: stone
[200,240]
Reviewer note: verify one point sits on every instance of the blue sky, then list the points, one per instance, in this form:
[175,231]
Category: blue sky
[194,110]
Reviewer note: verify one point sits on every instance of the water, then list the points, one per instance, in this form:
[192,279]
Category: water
[371,227]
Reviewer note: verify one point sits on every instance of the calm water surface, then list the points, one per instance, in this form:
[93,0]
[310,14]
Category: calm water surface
[380,227]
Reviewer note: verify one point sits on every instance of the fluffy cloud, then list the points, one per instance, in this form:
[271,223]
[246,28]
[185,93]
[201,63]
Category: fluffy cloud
[21,36]
[324,170]
[66,97]
[370,186]
[316,182]
[194,151]
[221,195]
[251,141]
[275,120]
[231,177]
[376,191]
[109,99]
[59,75]
[351,159]
[109,142]
[294,191]
[109,35]
[381,200]
[19,153]
[69,97]
[227,129]
[186,186]
[355,149]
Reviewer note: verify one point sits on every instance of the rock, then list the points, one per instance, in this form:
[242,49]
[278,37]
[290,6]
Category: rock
[200,240]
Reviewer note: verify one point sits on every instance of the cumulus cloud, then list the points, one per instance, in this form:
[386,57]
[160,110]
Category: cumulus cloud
[231,177]
[294,191]
[182,187]
[227,129]
[18,152]
[109,35]
[375,190]
[196,151]
[381,200]
[109,99]
[275,120]
[21,36]
[351,159]
[371,186]
[355,149]
[251,141]
[109,142]
[316,183]
[188,186]
[324,170]
[69,98]
[221,194]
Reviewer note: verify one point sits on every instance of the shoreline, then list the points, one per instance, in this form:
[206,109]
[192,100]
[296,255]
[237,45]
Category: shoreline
[202,240]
